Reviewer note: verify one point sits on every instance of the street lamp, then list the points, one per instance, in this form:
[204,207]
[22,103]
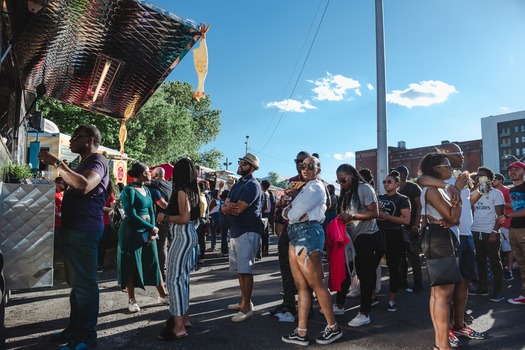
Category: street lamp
[226,163]
[246,143]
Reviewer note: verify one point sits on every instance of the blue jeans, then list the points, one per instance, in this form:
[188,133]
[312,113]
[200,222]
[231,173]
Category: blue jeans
[80,250]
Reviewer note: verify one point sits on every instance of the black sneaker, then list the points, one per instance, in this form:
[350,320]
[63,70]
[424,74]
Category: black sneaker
[100,269]
[374,301]
[496,297]
[507,275]
[478,291]
[282,309]
[329,336]
[294,338]
[61,338]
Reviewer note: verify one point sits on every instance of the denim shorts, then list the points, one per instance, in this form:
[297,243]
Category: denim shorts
[307,235]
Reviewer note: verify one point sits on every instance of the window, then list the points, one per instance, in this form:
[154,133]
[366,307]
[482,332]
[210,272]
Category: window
[523,139]
[517,151]
[517,140]
[523,128]
[516,129]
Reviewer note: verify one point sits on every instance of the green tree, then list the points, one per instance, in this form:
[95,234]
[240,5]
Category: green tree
[273,177]
[170,125]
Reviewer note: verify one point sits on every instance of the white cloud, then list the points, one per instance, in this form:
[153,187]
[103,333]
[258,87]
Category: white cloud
[504,109]
[290,105]
[334,87]
[423,94]
[370,86]
[344,156]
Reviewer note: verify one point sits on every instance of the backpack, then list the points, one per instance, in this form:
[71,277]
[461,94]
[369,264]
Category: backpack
[118,215]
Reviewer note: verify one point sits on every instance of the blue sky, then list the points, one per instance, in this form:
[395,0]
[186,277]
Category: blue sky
[448,64]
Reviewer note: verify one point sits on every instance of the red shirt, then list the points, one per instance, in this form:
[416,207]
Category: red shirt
[58,208]
[105,214]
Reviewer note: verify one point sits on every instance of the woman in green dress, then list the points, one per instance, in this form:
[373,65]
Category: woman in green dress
[137,259]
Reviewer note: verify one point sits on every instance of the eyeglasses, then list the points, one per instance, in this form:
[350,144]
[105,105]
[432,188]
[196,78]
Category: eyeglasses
[244,163]
[455,153]
[74,137]
[448,166]
[342,181]
[298,161]
[309,166]
[387,182]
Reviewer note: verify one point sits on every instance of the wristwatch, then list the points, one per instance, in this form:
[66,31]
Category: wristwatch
[505,215]
[57,163]
[353,216]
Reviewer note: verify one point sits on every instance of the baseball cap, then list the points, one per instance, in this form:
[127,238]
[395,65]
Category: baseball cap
[499,176]
[401,169]
[252,159]
[516,165]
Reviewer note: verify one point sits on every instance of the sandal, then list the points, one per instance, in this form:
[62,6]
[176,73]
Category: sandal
[170,323]
[168,335]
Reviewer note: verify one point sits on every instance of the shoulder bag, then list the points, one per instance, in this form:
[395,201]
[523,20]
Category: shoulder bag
[443,270]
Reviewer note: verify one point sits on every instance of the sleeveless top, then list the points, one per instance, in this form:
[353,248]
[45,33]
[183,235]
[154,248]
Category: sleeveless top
[428,209]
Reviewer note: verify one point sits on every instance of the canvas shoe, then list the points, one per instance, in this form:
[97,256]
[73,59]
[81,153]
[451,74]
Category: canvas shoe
[507,275]
[496,297]
[453,340]
[467,332]
[295,338]
[359,320]
[478,291]
[374,302]
[517,301]
[336,310]
[240,316]
[133,306]
[329,335]
[391,306]
[237,307]
[353,294]
[163,300]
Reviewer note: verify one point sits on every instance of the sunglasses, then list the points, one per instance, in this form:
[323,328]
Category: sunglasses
[298,161]
[309,166]
[388,182]
[244,163]
[342,181]
[74,137]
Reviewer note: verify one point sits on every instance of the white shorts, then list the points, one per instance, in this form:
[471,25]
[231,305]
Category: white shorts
[243,250]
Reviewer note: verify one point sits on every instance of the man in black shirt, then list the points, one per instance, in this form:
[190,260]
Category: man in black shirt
[159,183]
[413,192]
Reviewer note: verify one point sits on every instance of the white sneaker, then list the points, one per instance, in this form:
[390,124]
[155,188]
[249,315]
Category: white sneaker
[353,294]
[239,316]
[133,306]
[359,320]
[164,300]
[336,310]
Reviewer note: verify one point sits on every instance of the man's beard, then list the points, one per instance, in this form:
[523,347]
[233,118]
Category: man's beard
[242,172]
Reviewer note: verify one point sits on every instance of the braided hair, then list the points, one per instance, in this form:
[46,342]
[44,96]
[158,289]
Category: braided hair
[350,198]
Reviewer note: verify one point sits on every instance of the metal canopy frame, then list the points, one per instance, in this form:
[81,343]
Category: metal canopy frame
[106,56]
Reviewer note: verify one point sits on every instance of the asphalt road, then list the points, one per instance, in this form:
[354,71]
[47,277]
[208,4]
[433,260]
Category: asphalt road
[33,315]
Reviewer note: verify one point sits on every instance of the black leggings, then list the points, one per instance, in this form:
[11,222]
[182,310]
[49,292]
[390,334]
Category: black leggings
[395,250]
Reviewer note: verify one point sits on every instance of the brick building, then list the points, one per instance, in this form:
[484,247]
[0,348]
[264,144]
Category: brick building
[411,158]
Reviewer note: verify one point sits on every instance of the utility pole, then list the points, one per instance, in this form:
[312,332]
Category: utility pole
[246,143]
[226,163]
[382,144]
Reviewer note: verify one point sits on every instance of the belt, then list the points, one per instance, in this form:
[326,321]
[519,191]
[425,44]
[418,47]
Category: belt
[307,222]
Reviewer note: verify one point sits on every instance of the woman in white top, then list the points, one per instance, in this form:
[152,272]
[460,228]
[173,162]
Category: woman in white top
[305,215]
[439,208]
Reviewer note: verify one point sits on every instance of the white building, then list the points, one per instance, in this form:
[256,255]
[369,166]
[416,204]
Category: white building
[503,138]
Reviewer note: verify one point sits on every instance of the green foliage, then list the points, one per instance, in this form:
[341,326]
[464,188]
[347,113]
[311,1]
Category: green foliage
[273,177]
[17,171]
[170,125]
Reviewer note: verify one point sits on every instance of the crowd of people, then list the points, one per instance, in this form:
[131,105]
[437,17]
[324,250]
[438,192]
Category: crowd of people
[471,220]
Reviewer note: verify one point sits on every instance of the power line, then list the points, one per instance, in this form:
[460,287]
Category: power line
[293,72]
[298,77]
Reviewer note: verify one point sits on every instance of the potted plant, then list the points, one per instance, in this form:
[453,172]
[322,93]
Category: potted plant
[14,172]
